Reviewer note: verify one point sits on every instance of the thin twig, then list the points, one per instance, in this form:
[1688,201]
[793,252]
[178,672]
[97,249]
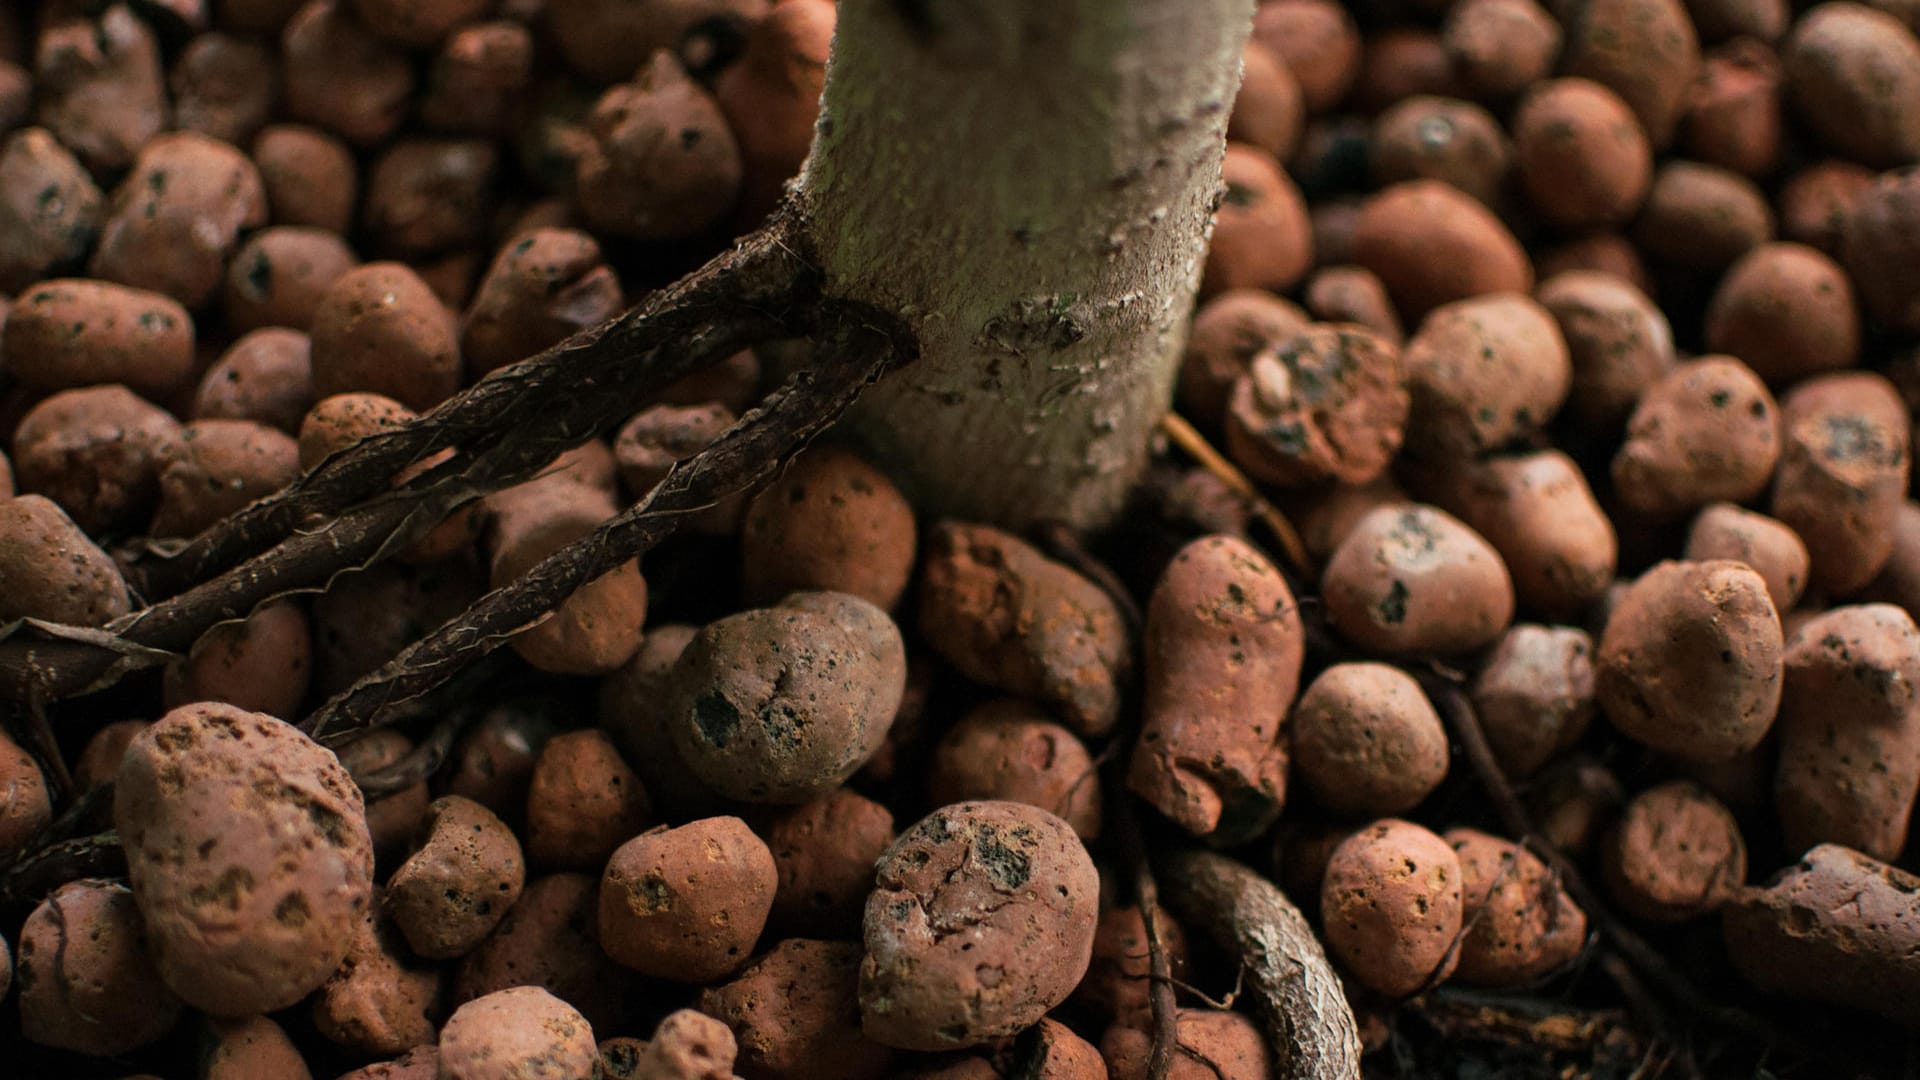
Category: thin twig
[1183,434]
[860,343]
[1146,894]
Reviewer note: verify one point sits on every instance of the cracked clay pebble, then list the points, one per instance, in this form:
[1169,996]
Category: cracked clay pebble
[981,921]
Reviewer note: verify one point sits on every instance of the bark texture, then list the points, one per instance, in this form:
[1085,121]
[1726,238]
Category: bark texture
[1030,186]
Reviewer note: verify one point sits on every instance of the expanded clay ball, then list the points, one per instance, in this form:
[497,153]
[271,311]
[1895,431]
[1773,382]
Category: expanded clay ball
[215,468]
[1010,618]
[1215,1045]
[1328,404]
[1787,311]
[1414,579]
[264,377]
[543,287]
[87,981]
[1853,73]
[73,333]
[1483,372]
[52,570]
[584,801]
[253,1047]
[1268,111]
[380,329]
[1580,155]
[1228,331]
[523,1033]
[1261,239]
[1618,341]
[223,87]
[418,23]
[479,78]
[1690,660]
[1879,246]
[261,663]
[309,176]
[1223,648]
[1838,926]
[1708,431]
[266,915]
[419,1063]
[1433,244]
[633,710]
[177,217]
[981,921]
[1816,201]
[98,85]
[1843,474]
[551,939]
[428,195]
[795,1014]
[1702,218]
[50,209]
[1733,117]
[384,999]
[688,1045]
[771,96]
[1117,985]
[1366,740]
[597,628]
[823,852]
[1352,294]
[1520,924]
[1499,47]
[659,161]
[1424,137]
[830,521]
[778,705]
[687,904]
[1676,854]
[1399,63]
[97,452]
[28,806]
[1391,907]
[1850,731]
[459,883]
[657,439]
[1774,551]
[337,74]
[1535,695]
[1603,252]
[1318,41]
[1646,51]
[1574,801]
[280,275]
[335,423]
[1008,749]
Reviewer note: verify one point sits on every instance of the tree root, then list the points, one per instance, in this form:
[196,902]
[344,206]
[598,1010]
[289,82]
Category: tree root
[46,869]
[1297,996]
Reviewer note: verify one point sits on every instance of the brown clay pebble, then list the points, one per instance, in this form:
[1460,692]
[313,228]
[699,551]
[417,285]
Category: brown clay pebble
[309,176]
[657,439]
[1319,43]
[1399,63]
[50,209]
[1008,749]
[687,904]
[1880,247]
[1690,661]
[1605,252]
[795,1012]
[97,452]
[217,467]
[1261,238]
[583,803]
[28,806]
[1676,854]
[1432,243]
[1733,116]
[1216,1045]
[1574,801]
[1329,404]
[1619,342]
[551,939]
[1064,645]
[779,705]
[380,329]
[98,85]
[1643,50]
[71,333]
[659,162]
[1520,924]
[384,999]
[1117,984]
[1787,311]
[419,1063]
[268,912]
[87,982]
[426,196]
[264,377]
[280,275]
[1535,695]
[1391,907]
[1366,741]
[688,1045]
[1223,649]
[1853,74]
[1718,20]
[262,663]
[453,890]
[1414,579]
[981,921]
[96,765]
[176,219]
[337,74]
[824,853]
[1351,294]
[1707,432]
[632,709]
[479,78]
[543,287]
[1843,474]
[1850,731]
[1774,551]
[52,571]
[598,627]
[605,40]
[1484,372]
[1228,331]
[1702,218]
[1816,202]
[832,522]
[523,1033]
[1838,927]
[253,1047]
[1499,47]
[1268,112]
[771,96]
[1435,138]
[418,22]
[1580,155]
[223,87]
